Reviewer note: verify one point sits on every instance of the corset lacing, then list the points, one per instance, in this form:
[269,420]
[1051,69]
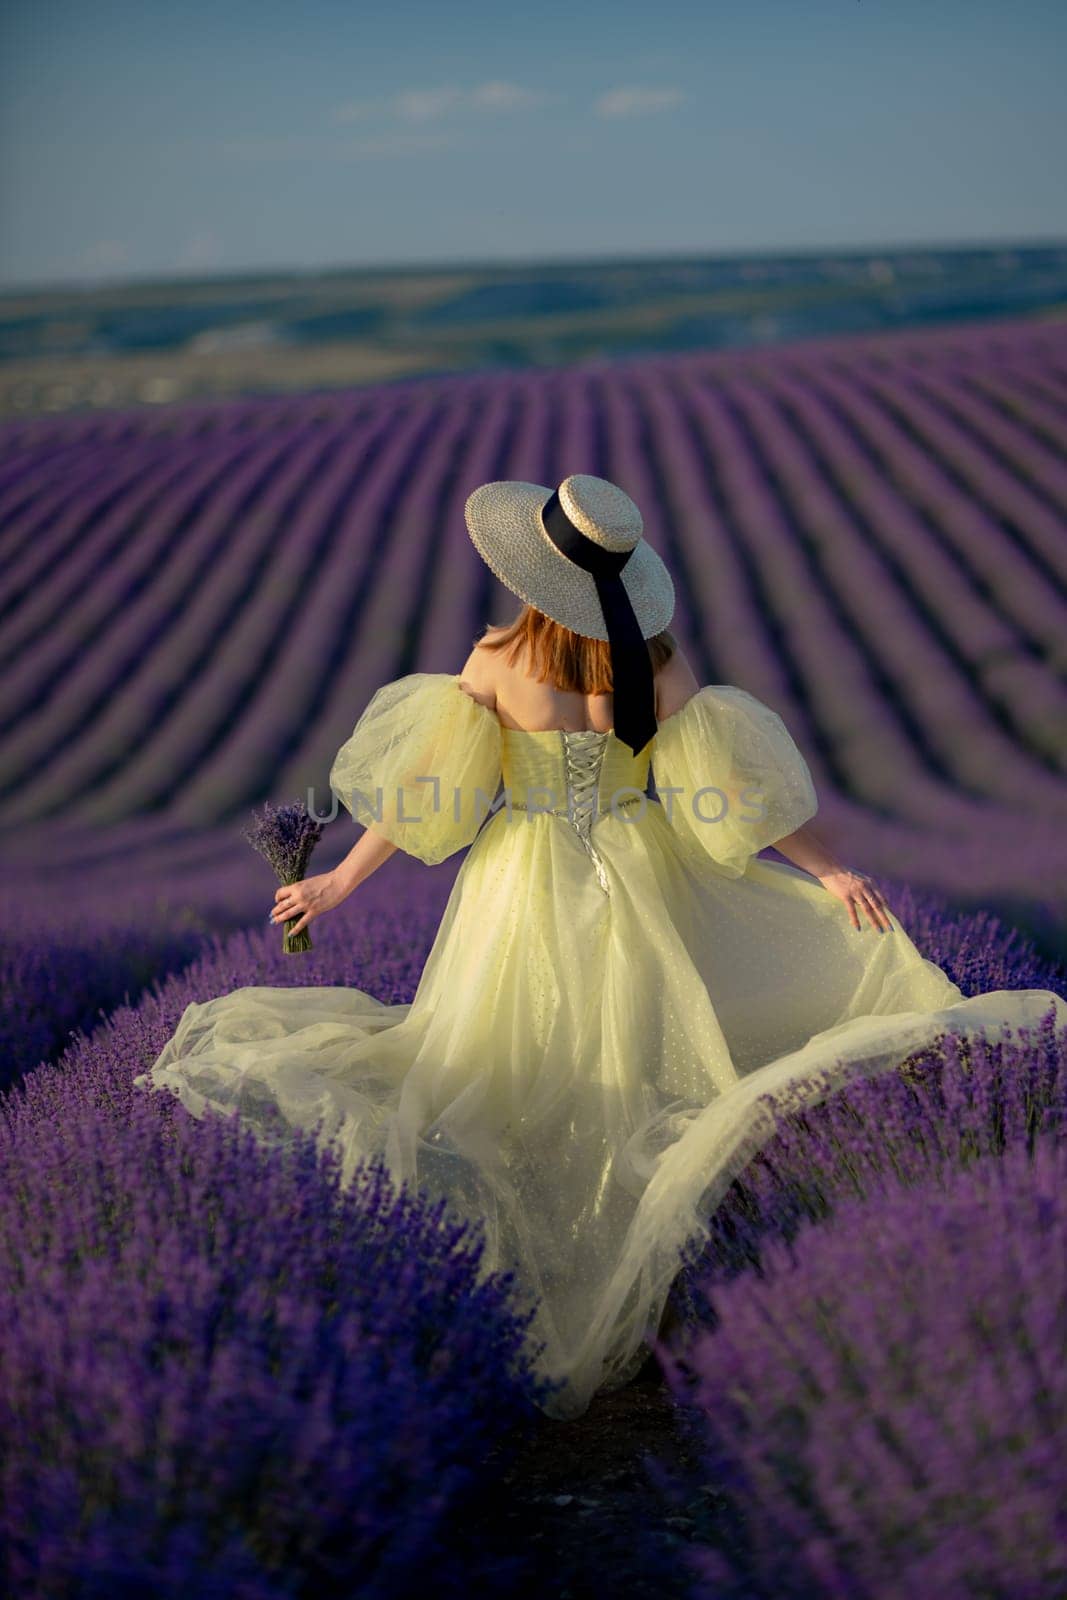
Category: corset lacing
[583,757]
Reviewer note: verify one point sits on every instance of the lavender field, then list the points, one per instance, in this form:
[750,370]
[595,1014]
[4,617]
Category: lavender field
[869,534]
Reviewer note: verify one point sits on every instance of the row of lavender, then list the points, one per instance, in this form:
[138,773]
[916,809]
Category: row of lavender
[879,1406]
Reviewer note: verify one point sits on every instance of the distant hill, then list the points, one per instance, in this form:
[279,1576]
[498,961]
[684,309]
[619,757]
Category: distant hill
[160,341]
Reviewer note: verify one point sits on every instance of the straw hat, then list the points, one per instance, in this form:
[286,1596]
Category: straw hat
[504,520]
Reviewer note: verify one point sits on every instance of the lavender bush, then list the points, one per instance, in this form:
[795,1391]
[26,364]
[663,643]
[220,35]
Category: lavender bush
[218,1373]
[68,967]
[838,1170]
[883,1406]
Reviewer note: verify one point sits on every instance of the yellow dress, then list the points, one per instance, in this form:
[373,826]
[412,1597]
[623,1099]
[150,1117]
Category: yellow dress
[614,982]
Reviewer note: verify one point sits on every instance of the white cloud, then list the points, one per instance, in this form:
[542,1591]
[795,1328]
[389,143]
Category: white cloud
[634,102]
[505,97]
[429,105]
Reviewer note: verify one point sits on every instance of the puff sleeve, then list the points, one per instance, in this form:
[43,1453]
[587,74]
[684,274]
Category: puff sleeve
[739,782]
[422,765]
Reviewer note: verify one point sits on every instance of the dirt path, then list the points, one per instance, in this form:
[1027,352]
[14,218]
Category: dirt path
[580,1504]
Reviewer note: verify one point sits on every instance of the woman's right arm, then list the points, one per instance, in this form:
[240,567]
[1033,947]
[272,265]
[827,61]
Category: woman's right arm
[674,686]
[365,857]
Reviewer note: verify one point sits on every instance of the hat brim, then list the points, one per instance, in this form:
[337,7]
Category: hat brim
[504,523]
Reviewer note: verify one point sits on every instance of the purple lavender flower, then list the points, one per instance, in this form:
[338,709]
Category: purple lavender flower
[951,1102]
[285,836]
[884,1405]
[220,1373]
[873,1377]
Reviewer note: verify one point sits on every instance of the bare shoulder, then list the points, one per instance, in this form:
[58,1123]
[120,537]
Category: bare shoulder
[676,682]
[479,674]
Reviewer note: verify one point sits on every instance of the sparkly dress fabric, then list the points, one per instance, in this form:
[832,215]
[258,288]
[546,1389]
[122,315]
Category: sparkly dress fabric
[615,981]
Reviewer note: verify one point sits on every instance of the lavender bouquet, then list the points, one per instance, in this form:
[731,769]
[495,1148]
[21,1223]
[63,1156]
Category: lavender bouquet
[285,836]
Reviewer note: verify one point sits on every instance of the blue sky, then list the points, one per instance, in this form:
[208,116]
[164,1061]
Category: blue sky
[139,139]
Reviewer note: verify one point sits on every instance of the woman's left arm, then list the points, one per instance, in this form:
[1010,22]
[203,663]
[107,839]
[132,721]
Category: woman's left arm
[854,889]
[803,848]
[308,898]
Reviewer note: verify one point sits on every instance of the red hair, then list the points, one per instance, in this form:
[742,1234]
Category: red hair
[566,659]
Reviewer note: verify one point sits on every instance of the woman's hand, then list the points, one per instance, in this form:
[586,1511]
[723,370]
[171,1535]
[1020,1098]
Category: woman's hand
[858,892]
[311,896]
